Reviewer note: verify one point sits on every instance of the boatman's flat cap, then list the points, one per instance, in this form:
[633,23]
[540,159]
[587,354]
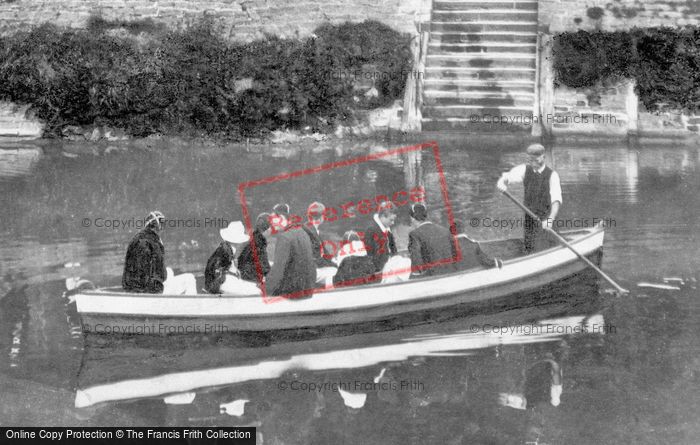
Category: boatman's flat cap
[535,149]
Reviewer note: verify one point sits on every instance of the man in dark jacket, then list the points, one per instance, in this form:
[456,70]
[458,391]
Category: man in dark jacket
[472,254]
[248,260]
[378,239]
[325,268]
[314,214]
[144,267]
[293,269]
[431,246]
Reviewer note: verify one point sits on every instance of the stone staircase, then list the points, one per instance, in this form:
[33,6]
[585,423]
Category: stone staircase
[481,64]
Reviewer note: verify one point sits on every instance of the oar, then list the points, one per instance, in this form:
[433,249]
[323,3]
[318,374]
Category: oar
[566,243]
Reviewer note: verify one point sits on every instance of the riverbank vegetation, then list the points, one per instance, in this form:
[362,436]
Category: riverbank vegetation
[146,79]
[665,62]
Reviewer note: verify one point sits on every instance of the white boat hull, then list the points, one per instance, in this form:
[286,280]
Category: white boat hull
[103,311]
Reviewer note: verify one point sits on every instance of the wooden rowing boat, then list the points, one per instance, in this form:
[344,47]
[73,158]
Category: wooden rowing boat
[111,310]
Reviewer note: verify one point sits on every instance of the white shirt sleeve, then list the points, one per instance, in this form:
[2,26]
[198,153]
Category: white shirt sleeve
[515,175]
[554,188]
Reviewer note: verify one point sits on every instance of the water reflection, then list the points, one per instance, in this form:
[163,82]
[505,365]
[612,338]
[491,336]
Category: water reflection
[460,342]
[376,384]
[615,168]
[18,162]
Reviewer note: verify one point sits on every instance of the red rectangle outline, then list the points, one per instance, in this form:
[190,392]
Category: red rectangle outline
[271,179]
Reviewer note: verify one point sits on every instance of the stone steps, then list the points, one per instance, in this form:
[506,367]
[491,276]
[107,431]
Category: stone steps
[518,102]
[466,111]
[475,48]
[488,37]
[477,73]
[501,26]
[477,85]
[481,62]
[445,6]
[486,15]
[492,61]
[480,95]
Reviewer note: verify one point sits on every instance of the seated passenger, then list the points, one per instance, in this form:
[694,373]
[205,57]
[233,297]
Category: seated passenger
[221,275]
[472,255]
[293,271]
[354,266]
[431,246]
[378,238]
[325,269]
[381,247]
[247,258]
[144,267]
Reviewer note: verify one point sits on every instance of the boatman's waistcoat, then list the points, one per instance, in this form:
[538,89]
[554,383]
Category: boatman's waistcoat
[537,197]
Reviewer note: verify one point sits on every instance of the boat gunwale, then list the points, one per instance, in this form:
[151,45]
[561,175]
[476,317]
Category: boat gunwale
[587,233]
[323,312]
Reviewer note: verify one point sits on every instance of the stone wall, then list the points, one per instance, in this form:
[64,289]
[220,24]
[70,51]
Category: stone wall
[242,20]
[605,110]
[249,19]
[668,123]
[607,15]
[14,122]
[600,109]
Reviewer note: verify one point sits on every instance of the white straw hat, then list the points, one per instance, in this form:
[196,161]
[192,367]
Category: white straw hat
[234,233]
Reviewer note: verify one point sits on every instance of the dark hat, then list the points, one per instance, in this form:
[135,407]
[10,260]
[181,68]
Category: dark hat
[262,222]
[535,149]
[419,212]
[281,209]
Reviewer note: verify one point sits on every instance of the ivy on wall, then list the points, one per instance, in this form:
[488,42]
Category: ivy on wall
[145,78]
[665,62]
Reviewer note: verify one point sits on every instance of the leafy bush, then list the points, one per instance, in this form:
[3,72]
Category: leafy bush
[370,43]
[663,61]
[668,70]
[185,81]
[582,59]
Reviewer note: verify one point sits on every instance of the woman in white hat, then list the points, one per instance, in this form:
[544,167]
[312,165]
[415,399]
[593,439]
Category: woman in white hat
[221,275]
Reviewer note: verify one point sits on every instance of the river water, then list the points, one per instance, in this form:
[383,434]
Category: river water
[630,363]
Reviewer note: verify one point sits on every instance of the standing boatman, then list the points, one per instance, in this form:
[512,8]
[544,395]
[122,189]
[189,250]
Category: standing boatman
[542,195]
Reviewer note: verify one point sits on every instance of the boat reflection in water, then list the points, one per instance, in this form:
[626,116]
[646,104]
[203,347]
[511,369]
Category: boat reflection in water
[476,336]
[467,364]
[238,379]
